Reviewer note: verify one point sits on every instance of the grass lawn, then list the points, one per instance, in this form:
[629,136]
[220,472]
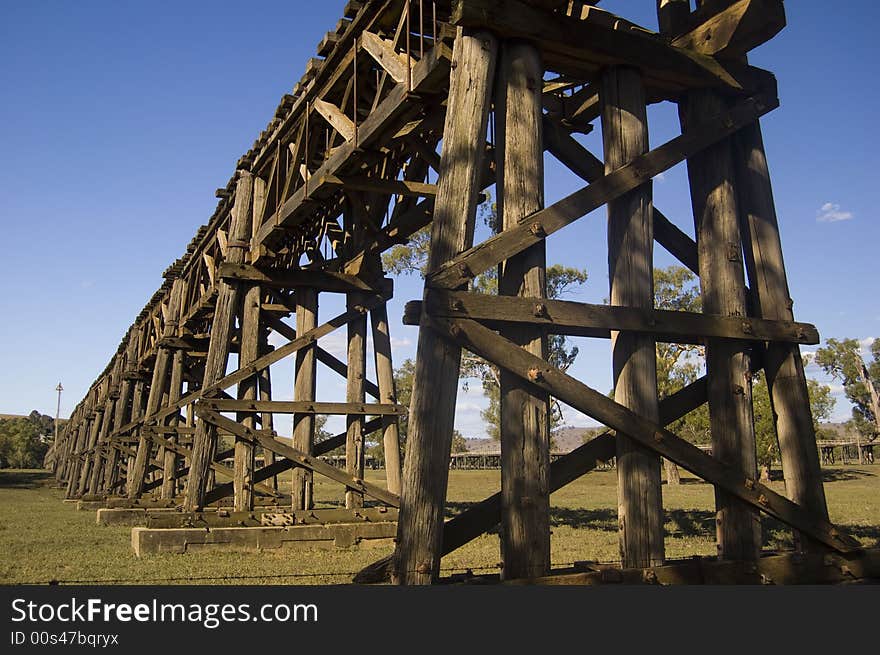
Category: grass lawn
[43,539]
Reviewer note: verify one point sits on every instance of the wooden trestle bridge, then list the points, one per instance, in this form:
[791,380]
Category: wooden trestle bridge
[386,134]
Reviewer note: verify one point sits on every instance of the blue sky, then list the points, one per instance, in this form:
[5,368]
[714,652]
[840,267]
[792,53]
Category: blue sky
[118,121]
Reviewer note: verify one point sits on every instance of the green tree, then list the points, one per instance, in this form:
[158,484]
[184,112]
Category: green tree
[459,444]
[412,258]
[679,364]
[403,383]
[20,443]
[842,360]
[821,406]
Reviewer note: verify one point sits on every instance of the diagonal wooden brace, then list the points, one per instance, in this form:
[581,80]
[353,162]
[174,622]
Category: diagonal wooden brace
[486,514]
[282,465]
[496,349]
[300,458]
[532,229]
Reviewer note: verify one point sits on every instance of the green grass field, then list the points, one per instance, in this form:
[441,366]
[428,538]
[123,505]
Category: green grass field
[44,539]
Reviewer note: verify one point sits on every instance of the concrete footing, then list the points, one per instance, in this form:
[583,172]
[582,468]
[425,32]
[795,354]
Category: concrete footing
[89,505]
[172,517]
[149,541]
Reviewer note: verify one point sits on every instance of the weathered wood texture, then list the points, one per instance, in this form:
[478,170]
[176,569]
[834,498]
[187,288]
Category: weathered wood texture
[722,283]
[630,264]
[387,394]
[494,348]
[432,408]
[249,342]
[782,362]
[228,302]
[304,390]
[525,415]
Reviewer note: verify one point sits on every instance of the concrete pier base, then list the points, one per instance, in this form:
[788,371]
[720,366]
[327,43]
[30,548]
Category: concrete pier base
[150,541]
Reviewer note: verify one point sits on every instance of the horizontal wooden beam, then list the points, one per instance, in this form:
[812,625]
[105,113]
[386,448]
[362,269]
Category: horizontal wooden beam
[537,226]
[301,459]
[292,278]
[485,343]
[375,185]
[582,47]
[303,407]
[583,319]
[780,569]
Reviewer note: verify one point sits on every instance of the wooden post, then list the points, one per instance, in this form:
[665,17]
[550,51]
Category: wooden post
[783,365]
[82,442]
[432,410]
[672,13]
[171,458]
[712,181]
[88,461]
[123,410]
[304,390]
[228,302]
[265,384]
[154,401]
[121,413]
[97,472]
[242,484]
[630,272]
[525,411]
[137,411]
[387,394]
[357,372]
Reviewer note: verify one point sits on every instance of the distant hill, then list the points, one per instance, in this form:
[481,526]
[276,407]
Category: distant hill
[564,440]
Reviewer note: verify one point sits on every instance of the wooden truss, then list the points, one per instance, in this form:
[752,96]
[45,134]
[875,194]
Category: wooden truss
[349,167]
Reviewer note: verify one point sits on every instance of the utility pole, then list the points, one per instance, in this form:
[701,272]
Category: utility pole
[59,389]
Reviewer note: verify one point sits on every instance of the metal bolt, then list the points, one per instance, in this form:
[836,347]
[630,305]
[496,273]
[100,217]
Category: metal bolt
[750,484]
[540,309]
[658,437]
[733,252]
[465,271]
[457,305]
[535,375]
[537,229]
[762,500]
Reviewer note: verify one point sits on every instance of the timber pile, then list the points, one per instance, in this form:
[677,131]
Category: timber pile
[347,168]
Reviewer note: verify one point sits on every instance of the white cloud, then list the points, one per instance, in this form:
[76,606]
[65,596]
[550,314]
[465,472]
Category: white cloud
[830,213]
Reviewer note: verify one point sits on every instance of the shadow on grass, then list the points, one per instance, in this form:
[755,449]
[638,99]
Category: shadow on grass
[840,475]
[679,522]
[14,479]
